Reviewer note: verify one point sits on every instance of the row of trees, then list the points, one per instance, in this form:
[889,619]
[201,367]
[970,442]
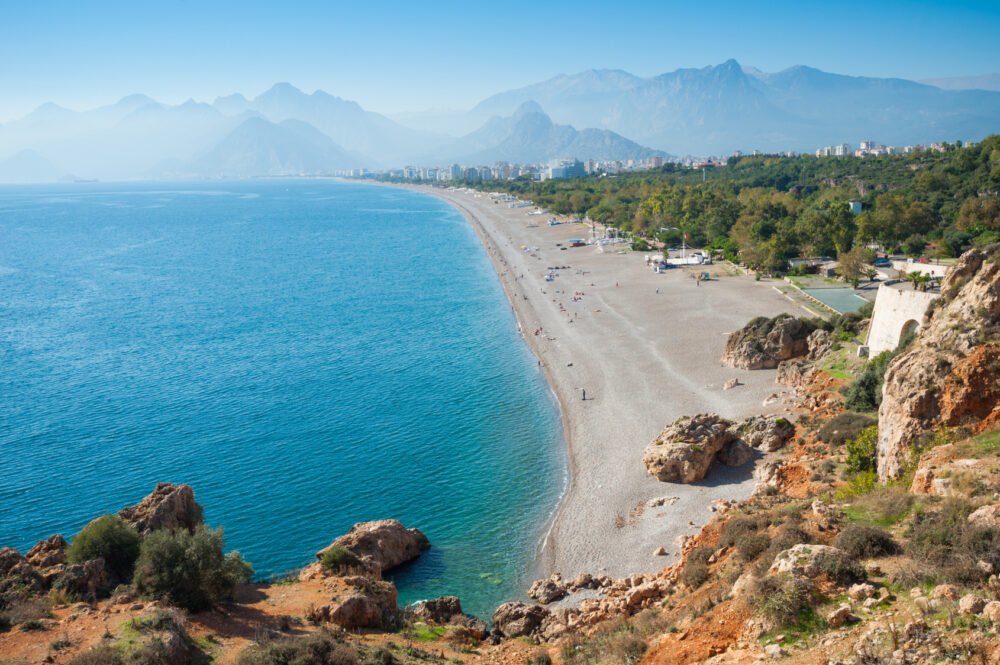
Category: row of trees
[771,208]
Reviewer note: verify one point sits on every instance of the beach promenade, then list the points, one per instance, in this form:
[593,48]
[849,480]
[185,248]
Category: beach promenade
[645,347]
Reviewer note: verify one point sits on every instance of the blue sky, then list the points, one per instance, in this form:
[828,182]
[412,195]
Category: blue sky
[403,56]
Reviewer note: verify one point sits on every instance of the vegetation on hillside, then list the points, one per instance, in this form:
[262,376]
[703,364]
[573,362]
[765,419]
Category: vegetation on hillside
[768,209]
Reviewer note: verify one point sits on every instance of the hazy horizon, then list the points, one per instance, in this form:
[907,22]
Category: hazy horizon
[399,58]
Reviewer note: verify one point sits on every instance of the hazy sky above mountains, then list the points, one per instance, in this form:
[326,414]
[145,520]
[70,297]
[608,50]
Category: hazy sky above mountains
[405,56]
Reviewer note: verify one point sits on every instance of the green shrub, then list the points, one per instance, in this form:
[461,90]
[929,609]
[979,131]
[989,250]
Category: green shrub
[188,570]
[752,546]
[542,659]
[32,624]
[844,426]
[108,538]
[861,452]
[945,541]
[696,570]
[338,559]
[840,571]
[781,599]
[865,541]
[22,610]
[316,649]
[100,655]
[741,526]
[381,656]
[865,392]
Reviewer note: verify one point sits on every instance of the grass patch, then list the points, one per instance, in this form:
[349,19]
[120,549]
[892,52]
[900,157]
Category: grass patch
[421,632]
[882,506]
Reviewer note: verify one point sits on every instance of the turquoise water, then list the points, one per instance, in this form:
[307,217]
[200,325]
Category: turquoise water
[842,300]
[305,354]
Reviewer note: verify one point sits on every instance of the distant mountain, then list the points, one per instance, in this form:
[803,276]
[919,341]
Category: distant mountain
[28,166]
[981,82]
[258,147]
[727,107]
[349,125]
[530,136]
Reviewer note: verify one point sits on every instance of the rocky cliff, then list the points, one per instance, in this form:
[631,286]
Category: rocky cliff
[950,375]
[763,343]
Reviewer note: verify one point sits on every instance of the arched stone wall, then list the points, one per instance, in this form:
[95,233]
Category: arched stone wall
[896,307]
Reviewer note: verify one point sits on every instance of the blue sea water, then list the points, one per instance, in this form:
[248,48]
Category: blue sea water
[305,354]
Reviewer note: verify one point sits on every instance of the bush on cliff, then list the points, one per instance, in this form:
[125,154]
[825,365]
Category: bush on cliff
[107,538]
[188,570]
[866,541]
[782,600]
[844,426]
[317,649]
[951,546]
[339,559]
[861,452]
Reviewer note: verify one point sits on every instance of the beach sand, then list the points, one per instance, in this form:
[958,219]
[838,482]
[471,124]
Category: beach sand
[644,359]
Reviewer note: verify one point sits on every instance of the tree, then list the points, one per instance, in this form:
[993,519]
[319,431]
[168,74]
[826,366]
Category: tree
[852,265]
[108,538]
[871,274]
[188,569]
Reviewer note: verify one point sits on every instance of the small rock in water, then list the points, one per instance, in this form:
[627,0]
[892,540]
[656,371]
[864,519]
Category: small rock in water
[660,552]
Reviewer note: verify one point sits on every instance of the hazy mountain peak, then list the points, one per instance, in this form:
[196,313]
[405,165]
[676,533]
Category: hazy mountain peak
[530,106]
[280,91]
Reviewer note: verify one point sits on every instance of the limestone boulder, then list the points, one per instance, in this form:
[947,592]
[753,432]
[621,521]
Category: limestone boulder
[9,557]
[991,611]
[48,552]
[971,605]
[84,579]
[810,561]
[361,608]
[169,507]
[517,619]
[546,591]
[382,544]
[986,516]
[447,610]
[766,433]
[763,343]
[839,616]
[795,373]
[819,343]
[685,450]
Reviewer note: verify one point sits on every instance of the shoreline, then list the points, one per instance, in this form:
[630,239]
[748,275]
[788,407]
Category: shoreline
[618,342]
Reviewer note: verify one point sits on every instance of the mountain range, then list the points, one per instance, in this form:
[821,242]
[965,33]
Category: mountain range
[711,110]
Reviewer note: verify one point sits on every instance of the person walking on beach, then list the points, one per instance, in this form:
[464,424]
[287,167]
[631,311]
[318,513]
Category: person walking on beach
[584,394]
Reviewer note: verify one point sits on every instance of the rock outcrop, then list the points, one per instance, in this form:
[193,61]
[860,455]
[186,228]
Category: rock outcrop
[819,343]
[795,373]
[766,433]
[986,516]
[517,619]
[949,374]
[168,507]
[382,544]
[809,561]
[447,611]
[48,552]
[763,343]
[686,449]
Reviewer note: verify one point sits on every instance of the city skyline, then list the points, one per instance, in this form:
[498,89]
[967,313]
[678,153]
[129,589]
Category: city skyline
[399,58]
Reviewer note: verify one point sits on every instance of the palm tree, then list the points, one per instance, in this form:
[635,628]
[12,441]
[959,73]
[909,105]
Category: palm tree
[922,280]
[871,274]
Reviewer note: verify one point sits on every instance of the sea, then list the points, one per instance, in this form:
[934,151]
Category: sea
[306,354]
